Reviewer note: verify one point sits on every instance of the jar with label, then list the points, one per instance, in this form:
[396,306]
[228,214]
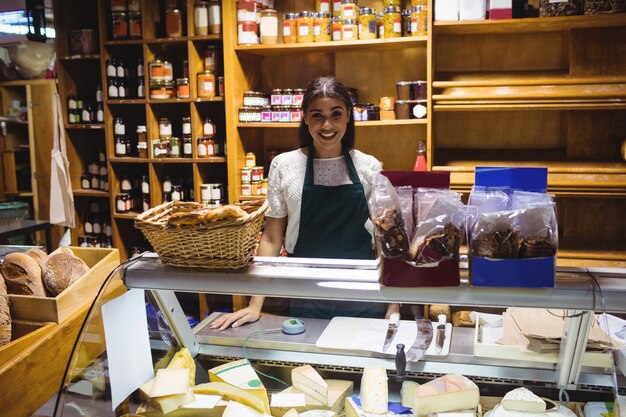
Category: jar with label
[155,146]
[336,8]
[250,159]
[247,33]
[298,96]
[205,192]
[335,28]
[348,10]
[269,27]
[168,71]
[103,170]
[381,24]
[392,23]
[246,174]
[215,17]
[134,25]
[257,173]
[97,225]
[122,90]
[173,23]
[99,113]
[367,24]
[264,187]
[201,18]
[119,126]
[145,203]
[305,27]
[178,193]
[202,147]
[165,147]
[187,146]
[142,141]
[85,183]
[322,6]
[349,30]
[156,70]
[208,127]
[321,27]
[246,188]
[111,68]
[99,96]
[182,88]
[87,115]
[120,146]
[255,187]
[112,89]
[290,29]
[206,84]
[161,90]
[210,146]
[287,97]
[175,149]
[126,185]
[246,10]
[419,21]
[167,184]
[122,203]
[88,225]
[145,184]
[119,25]
[165,128]
[210,58]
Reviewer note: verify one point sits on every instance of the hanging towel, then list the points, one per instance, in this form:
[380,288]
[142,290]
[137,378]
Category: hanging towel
[61,196]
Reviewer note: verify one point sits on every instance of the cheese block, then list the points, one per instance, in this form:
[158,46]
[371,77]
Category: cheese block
[306,379]
[374,391]
[450,392]
[288,399]
[338,390]
[351,409]
[184,411]
[170,403]
[181,360]
[235,409]
[523,399]
[408,392]
[230,392]
[170,382]
[204,401]
[319,413]
[242,375]
[291,413]
[174,399]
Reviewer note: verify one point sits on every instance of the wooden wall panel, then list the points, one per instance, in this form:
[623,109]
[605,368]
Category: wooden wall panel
[592,223]
[598,52]
[596,135]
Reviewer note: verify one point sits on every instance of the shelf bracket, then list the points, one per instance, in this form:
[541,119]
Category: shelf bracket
[175,318]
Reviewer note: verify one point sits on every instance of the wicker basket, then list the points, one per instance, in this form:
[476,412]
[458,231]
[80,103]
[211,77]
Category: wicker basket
[227,244]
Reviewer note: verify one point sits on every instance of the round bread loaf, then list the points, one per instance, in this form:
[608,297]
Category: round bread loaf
[39,256]
[5,314]
[62,270]
[22,275]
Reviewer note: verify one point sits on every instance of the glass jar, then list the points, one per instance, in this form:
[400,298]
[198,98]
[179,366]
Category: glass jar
[349,30]
[269,27]
[321,27]
[112,89]
[250,160]
[187,146]
[85,183]
[173,23]
[392,23]
[120,146]
[167,184]
[186,125]
[118,6]
[145,203]
[157,70]
[161,90]
[203,146]
[298,96]
[140,88]
[287,97]
[206,84]
[210,58]
[257,174]
[175,149]
[335,28]
[246,189]
[182,88]
[215,17]
[322,6]
[121,88]
[290,28]
[168,71]
[406,22]
[99,113]
[165,146]
[336,8]
[246,174]
[208,127]
[119,25]
[247,33]
[255,187]
[348,10]
[119,127]
[134,25]
[165,128]
[419,21]
[305,27]
[178,193]
[201,18]
[367,24]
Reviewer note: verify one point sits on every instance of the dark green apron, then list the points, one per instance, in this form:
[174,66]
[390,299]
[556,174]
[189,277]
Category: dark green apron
[332,225]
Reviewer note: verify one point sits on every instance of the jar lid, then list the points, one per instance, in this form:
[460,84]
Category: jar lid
[406,12]
[288,90]
[336,19]
[141,129]
[391,9]
[134,14]
[305,14]
[182,80]
[175,11]
[366,10]
[348,22]
[206,72]
[298,90]
[164,120]
[277,90]
[404,83]
[323,15]
[268,12]
[347,1]
[156,62]
[314,15]
[118,14]
[417,8]
[420,82]
[291,16]
[244,169]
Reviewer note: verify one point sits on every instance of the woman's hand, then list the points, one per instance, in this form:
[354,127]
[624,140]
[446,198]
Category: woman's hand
[236,319]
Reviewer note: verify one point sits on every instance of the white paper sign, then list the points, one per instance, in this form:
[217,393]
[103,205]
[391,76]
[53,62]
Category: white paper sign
[128,346]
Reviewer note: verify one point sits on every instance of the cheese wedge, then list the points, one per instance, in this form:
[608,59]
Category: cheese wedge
[184,411]
[170,382]
[319,413]
[291,413]
[230,392]
[169,402]
[182,359]
[408,393]
[338,390]
[242,375]
[374,390]
[450,392]
[288,399]
[351,409]
[306,379]
[235,409]
[523,399]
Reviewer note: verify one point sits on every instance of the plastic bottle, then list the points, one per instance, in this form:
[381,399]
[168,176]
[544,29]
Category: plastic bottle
[420,161]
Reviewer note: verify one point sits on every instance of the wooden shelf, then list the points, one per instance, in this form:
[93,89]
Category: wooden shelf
[123,42]
[211,160]
[20,193]
[125,216]
[518,78]
[126,101]
[185,100]
[251,197]
[85,126]
[217,37]
[92,57]
[90,193]
[157,41]
[334,46]
[530,25]
[128,160]
[357,124]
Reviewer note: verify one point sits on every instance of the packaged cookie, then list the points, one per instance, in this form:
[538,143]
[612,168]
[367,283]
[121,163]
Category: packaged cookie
[389,229]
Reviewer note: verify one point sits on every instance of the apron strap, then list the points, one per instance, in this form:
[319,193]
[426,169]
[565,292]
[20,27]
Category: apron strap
[309,177]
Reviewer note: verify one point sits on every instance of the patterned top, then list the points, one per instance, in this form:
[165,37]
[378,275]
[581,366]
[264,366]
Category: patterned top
[286,178]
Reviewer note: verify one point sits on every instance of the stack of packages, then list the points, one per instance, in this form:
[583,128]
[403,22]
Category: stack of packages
[422,226]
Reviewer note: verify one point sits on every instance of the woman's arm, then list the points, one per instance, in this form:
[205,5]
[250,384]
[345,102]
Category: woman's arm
[271,243]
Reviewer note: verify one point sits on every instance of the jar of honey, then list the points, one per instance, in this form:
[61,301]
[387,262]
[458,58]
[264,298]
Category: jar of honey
[305,27]
[290,30]
[321,27]
[182,88]
[206,84]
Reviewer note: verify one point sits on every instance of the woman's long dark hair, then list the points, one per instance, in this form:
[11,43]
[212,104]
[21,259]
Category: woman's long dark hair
[326,87]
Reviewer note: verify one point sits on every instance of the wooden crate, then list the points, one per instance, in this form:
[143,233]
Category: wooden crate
[23,335]
[57,309]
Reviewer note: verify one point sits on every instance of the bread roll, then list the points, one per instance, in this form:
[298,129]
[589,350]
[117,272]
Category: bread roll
[62,270]
[22,275]
[39,256]
[437,309]
[5,314]
[462,319]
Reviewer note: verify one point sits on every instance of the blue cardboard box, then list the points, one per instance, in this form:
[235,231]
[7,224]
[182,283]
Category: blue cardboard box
[524,273]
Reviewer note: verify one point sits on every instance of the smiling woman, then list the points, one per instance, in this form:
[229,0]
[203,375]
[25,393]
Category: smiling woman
[318,201]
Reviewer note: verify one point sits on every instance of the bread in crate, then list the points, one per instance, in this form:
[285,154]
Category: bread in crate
[188,234]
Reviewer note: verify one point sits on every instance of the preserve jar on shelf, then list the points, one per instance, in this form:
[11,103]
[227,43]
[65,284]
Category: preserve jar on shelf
[206,84]
[349,30]
[321,27]
[134,25]
[290,28]
[201,18]
[305,27]
[335,28]
[119,25]
[367,24]
[215,17]
[210,58]
[269,27]
[392,22]
[173,23]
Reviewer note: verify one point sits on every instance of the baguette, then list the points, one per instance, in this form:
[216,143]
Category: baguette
[22,275]
[62,270]
[5,314]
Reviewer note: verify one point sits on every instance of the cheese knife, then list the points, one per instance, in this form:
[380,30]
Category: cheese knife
[423,338]
[392,329]
[441,333]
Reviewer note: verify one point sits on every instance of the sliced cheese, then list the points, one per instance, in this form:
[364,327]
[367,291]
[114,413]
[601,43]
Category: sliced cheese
[374,390]
[235,409]
[170,382]
[306,379]
[204,401]
[408,393]
[338,390]
[450,392]
[291,413]
[318,413]
[230,392]
[242,375]
[170,403]
[523,399]
[288,399]
[182,359]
